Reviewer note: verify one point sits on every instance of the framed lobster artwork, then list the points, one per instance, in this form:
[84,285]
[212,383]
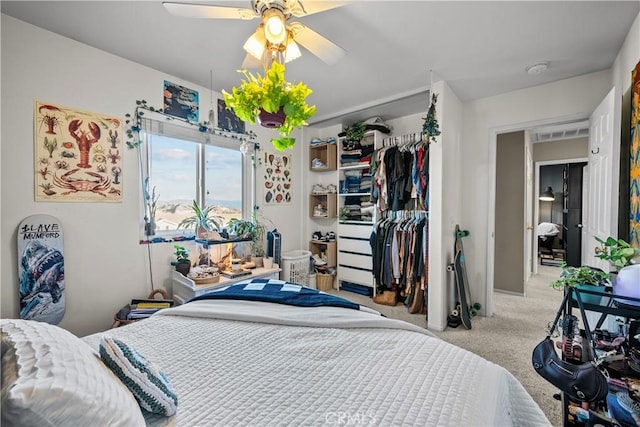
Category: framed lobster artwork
[78,155]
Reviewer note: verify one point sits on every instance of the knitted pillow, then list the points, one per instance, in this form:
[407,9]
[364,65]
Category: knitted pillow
[50,377]
[149,386]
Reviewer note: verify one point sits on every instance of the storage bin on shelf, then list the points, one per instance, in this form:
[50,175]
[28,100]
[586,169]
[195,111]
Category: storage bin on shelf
[295,266]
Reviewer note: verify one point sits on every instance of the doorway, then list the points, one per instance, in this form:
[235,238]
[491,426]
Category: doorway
[559,211]
[516,207]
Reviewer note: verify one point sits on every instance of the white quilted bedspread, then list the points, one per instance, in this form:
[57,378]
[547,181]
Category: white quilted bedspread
[250,363]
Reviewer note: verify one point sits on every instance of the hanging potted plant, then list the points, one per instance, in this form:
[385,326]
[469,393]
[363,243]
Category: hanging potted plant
[201,221]
[273,102]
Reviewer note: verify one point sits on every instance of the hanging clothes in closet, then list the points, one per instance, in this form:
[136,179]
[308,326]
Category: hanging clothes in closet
[400,177]
[400,257]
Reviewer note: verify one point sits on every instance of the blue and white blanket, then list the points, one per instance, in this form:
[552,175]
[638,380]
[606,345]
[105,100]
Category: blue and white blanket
[277,291]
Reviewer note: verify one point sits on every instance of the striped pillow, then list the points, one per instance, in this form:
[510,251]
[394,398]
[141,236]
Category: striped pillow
[150,387]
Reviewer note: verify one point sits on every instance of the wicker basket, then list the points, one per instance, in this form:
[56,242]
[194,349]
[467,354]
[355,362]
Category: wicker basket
[324,281]
[120,318]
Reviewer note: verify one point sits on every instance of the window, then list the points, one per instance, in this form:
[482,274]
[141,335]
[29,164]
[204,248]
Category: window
[185,165]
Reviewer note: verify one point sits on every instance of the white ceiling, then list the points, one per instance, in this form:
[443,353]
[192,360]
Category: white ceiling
[480,48]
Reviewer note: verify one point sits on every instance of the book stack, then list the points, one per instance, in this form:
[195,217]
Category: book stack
[143,308]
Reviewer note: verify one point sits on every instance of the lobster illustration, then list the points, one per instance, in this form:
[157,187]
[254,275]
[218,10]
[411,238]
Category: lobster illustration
[84,140]
[116,171]
[48,118]
[114,157]
[113,138]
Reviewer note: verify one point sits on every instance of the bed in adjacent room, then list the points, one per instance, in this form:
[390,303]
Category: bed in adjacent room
[267,352]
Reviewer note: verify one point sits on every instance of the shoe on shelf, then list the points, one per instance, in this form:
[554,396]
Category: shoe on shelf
[316,141]
[331,188]
[318,164]
[319,211]
[331,235]
[316,235]
[319,189]
[331,140]
[317,260]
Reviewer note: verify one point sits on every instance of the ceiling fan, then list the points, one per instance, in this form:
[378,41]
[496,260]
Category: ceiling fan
[275,37]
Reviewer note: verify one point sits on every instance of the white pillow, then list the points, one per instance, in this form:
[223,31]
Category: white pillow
[52,378]
[149,385]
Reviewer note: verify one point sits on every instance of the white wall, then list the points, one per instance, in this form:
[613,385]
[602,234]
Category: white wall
[105,266]
[483,119]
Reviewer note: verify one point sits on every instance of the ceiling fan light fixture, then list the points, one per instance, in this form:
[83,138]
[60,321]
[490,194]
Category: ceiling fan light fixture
[292,51]
[255,45]
[275,30]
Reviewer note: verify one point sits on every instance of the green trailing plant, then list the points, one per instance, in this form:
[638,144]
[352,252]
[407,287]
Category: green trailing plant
[583,275]
[201,219]
[618,252]
[181,255]
[270,93]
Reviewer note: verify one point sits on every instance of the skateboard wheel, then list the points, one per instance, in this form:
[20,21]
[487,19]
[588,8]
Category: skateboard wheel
[455,313]
[450,267]
[477,306]
[453,321]
[462,233]
[473,312]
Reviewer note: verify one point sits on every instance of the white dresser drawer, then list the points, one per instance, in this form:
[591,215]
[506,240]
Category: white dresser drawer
[355,230]
[354,245]
[356,276]
[355,260]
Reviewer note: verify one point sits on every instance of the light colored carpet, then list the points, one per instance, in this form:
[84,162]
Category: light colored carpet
[508,337]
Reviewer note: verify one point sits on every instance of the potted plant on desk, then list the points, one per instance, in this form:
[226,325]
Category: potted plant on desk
[583,278]
[250,229]
[182,261]
[201,221]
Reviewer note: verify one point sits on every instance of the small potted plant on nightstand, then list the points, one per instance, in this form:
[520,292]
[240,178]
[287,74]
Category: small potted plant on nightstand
[182,261]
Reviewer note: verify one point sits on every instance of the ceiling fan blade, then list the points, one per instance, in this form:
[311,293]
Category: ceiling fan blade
[319,45]
[190,10]
[296,8]
[251,62]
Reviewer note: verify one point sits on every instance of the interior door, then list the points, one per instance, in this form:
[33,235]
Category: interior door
[528,207]
[573,213]
[600,189]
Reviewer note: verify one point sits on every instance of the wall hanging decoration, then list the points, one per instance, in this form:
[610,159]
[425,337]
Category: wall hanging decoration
[181,102]
[41,269]
[78,155]
[634,159]
[430,128]
[277,178]
[227,120]
[273,102]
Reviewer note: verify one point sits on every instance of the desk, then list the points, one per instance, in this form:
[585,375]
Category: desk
[184,288]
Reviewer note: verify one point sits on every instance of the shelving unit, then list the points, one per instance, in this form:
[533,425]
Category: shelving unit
[627,309]
[355,262]
[327,202]
[326,153]
[327,247]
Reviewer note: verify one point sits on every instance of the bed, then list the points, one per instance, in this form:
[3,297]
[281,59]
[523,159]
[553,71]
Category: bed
[268,352]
